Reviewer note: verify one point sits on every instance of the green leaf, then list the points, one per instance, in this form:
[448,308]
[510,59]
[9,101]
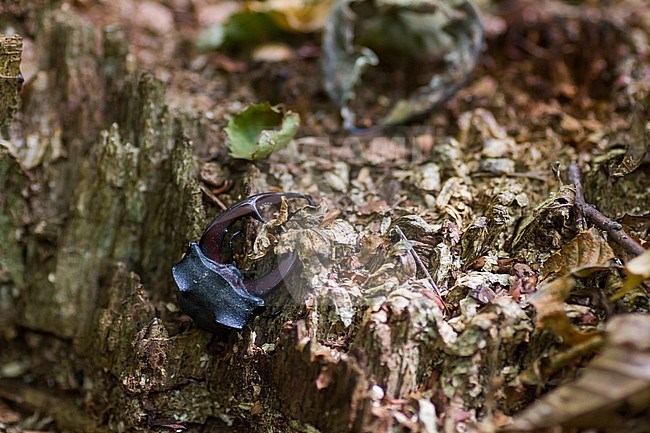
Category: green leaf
[260,130]
[241,29]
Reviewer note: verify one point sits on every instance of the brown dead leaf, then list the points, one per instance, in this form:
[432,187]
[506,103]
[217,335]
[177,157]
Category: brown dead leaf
[370,245]
[329,217]
[587,252]
[551,315]
[571,124]
[257,408]
[479,126]
[613,388]
[266,240]
[637,223]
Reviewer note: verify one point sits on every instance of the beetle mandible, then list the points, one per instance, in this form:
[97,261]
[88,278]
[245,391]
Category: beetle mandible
[215,294]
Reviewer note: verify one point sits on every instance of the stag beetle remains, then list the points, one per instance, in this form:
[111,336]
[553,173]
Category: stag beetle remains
[214,294]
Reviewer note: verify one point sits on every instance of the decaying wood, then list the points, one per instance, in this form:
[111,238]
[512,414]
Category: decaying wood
[10,78]
[64,409]
[13,212]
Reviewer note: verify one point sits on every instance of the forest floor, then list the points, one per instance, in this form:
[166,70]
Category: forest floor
[473,208]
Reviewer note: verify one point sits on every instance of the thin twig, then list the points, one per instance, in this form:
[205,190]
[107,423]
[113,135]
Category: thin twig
[418,260]
[213,197]
[574,178]
[614,229]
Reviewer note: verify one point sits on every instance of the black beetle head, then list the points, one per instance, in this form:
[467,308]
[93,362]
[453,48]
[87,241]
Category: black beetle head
[213,294]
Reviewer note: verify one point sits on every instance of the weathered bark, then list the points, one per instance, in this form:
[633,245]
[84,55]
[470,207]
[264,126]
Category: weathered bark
[12,266]
[10,78]
[105,183]
[12,180]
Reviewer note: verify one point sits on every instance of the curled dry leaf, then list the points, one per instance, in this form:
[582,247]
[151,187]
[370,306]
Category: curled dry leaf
[551,314]
[544,225]
[264,239]
[612,389]
[361,33]
[585,254]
